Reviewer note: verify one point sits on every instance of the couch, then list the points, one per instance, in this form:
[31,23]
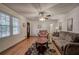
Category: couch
[66,42]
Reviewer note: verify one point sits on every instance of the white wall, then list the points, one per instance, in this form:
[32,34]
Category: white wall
[10,41]
[44,26]
[72,14]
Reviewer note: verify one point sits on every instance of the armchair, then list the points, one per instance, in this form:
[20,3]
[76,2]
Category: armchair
[42,43]
[43,36]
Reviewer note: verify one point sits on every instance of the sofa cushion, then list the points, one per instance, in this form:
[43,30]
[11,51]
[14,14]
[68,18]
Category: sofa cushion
[61,43]
[68,38]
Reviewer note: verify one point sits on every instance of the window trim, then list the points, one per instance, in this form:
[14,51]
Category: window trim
[11,25]
[5,25]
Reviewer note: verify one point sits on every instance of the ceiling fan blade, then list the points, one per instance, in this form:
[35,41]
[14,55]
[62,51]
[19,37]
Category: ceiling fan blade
[48,15]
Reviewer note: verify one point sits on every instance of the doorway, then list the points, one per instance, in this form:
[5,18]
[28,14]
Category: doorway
[28,29]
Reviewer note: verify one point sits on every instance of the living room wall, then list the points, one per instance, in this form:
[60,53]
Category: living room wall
[44,26]
[74,14]
[12,40]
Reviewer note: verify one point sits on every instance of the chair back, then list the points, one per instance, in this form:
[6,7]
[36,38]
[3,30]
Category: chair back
[43,34]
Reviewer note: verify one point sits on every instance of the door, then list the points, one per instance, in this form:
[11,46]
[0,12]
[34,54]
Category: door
[28,29]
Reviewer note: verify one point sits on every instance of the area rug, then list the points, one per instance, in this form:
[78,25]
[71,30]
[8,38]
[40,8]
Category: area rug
[33,51]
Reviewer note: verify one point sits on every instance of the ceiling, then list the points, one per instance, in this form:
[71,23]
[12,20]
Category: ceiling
[31,10]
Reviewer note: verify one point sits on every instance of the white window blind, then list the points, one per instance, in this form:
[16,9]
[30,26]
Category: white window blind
[4,25]
[9,25]
[16,27]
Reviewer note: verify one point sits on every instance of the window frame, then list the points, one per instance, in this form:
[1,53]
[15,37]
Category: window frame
[16,26]
[11,25]
[6,25]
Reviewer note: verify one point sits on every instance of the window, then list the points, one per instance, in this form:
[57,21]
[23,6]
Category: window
[4,25]
[9,25]
[16,28]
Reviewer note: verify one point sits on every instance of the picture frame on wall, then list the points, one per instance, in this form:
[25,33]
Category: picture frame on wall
[70,24]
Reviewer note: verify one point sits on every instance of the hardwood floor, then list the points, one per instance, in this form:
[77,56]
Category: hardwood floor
[23,46]
[20,48]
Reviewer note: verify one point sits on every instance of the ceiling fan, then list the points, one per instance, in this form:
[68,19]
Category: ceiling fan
[44,16]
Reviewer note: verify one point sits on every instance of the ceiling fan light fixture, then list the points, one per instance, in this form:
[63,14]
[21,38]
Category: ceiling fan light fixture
[42,19]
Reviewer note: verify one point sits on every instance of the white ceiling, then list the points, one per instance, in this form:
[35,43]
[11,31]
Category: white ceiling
[31,10]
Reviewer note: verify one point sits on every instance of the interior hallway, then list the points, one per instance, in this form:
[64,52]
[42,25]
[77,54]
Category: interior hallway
[22,47]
